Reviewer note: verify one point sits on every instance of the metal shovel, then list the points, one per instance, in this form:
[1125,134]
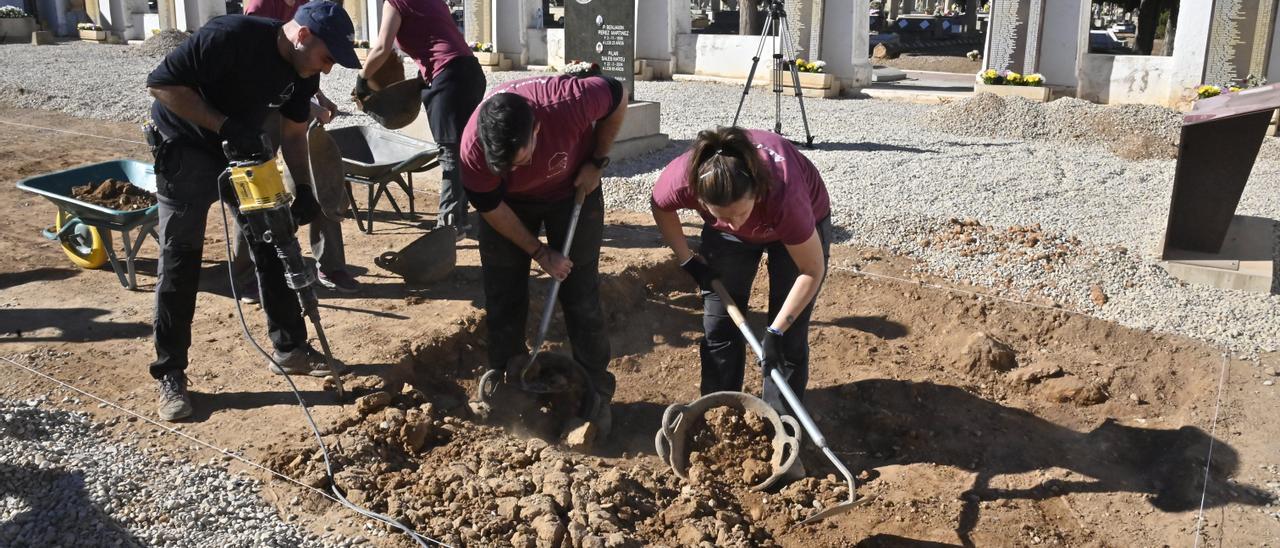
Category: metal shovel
[550,306]
[805,420]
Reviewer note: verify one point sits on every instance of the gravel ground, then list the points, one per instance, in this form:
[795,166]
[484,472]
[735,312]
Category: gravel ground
[62,483]
[896,178]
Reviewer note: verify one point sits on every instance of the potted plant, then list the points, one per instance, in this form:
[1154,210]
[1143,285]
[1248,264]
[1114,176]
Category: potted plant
[1007,83]
[362,49]
[15,25]
[485,54]
[813,75]
[92,31]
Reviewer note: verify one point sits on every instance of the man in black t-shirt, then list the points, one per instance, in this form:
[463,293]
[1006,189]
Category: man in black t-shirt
[220,85]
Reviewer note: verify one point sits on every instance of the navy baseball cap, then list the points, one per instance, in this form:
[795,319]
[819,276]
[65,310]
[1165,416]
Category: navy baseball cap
[329,22]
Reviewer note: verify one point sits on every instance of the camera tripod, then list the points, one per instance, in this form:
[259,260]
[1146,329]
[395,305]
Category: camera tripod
[776,27]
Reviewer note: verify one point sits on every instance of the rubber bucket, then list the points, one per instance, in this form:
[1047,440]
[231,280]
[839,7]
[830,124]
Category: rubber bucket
[672,440]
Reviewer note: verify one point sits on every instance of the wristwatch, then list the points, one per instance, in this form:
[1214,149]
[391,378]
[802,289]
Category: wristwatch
[601,162]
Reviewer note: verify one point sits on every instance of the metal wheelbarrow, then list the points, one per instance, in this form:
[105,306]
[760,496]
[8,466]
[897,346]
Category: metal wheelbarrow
[84,229]
[375,157]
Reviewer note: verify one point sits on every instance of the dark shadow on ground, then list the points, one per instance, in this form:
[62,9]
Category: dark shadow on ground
[902,422]
[73,325]
[895,541]
[205,405]
[14,279]
[880,326]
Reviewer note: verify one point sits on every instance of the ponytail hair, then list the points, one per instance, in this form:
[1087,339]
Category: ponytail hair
[725,167]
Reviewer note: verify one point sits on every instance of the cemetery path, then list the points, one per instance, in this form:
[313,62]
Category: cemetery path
[971,419]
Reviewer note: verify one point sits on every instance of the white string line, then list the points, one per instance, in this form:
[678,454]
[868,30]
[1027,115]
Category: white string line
[1213,428]
[69,132]
[169,429]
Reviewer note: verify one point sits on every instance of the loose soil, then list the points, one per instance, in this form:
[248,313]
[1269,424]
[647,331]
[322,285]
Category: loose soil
[114,194]
[966,419]
[732,446]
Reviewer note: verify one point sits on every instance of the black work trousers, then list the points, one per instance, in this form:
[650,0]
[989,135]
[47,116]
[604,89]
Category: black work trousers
[506,285]
[187,185]
[723,349]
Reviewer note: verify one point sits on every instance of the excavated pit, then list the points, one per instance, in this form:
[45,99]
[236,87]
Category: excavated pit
[902,378]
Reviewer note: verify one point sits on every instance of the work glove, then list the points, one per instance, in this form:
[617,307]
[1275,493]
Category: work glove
[362,90]
[773,356]
[304,208]
[243,140]
[700,271]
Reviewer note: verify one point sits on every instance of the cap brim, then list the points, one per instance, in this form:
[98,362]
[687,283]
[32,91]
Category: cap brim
[344,53]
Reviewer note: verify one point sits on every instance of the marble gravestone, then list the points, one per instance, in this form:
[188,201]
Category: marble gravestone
[1239,35]
[1013,35]
[603,31]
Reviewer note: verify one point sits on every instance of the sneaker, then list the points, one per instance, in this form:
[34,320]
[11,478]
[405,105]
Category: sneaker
[339,280]
[304,360]
[175,403]
[249,294]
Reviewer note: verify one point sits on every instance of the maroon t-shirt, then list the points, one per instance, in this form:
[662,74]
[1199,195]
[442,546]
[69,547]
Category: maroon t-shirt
[797,198]
[273,9]
[428,35]
[566,108]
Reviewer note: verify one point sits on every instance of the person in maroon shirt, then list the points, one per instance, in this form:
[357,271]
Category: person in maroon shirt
[525,152]
[756,194]
[425,31]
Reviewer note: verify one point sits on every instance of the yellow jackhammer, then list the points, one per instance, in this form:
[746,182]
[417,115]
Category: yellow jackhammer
[264,203]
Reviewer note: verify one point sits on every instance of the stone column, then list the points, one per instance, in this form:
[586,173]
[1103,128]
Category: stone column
[845,39]
[474,21]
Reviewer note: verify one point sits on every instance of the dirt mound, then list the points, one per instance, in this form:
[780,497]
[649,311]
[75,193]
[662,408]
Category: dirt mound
[1134,132]
[163,42]
[476,485]
[730,445]
[115,194]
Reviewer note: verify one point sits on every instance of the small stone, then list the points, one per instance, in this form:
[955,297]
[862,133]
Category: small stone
[1271,372]
[549,530]
[580,435]
[1033,374]
[755,471]
[1268,383]
[982,352]
[371,403]
[1096,295]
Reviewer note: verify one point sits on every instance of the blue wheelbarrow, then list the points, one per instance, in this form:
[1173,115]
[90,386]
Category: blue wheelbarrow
[84,229]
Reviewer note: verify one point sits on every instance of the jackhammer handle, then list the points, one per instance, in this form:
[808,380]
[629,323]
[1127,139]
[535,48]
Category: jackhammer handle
[774,373]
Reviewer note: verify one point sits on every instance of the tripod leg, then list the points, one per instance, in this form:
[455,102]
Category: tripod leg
[795,81]
[755,62]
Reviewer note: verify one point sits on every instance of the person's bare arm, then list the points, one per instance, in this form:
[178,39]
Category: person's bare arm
[809,261]
[505,221]
[672,232]
[293,146]
[190,106]
[380,50]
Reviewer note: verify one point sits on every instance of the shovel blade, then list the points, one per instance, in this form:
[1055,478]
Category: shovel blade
[838,509]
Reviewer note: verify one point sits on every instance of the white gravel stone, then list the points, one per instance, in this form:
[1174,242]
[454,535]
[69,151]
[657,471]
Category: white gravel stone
[894,176]
[61,483]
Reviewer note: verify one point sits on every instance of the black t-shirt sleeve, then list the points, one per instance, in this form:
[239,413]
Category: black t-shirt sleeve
[298,107]
[205,58]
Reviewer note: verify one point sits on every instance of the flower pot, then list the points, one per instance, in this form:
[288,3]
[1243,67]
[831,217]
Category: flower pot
[813,80]
[94,35]
[488,58]
[1039,94]
[17,29]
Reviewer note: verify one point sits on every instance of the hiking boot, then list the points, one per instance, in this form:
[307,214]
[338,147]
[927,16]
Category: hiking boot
[304,360]
[249,294]
[175,403]
[602,416]
[339,280]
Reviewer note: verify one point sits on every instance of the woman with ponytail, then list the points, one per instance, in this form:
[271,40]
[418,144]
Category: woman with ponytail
[757,195]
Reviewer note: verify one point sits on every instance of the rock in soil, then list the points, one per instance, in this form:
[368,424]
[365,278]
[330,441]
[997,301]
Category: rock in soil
[724,440]
[114,194]
[983,353]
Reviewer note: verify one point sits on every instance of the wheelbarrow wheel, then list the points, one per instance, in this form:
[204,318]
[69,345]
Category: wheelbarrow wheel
[83,245]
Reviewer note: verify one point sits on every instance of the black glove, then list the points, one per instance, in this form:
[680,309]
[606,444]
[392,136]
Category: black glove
[701,272]
[244,141]
[304,208]
[362,90]
[773,357]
